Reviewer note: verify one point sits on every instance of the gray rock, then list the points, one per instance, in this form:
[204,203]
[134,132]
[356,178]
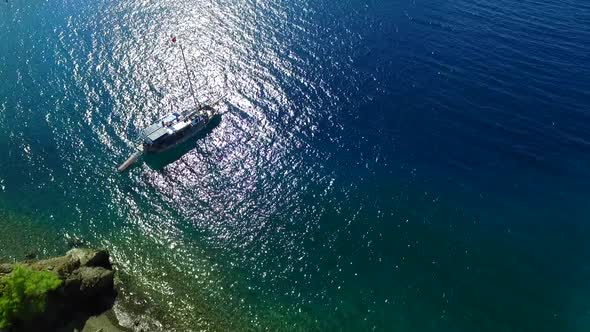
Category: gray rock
[95,279]
[5,268]
[90,257]
[63,265]
[87,289]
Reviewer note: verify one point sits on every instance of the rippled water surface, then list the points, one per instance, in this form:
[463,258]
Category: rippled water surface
[378,165]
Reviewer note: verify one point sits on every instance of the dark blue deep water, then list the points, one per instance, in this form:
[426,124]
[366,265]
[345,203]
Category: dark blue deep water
[402,165]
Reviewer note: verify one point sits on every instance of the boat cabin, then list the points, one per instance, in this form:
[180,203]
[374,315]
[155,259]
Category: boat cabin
[170,130]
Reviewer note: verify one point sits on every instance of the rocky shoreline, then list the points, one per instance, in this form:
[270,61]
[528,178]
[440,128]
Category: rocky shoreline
[84,299]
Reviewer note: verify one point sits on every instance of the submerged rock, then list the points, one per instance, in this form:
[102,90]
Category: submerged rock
[76,242]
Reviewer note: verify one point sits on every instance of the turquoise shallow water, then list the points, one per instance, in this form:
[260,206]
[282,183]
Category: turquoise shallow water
[389,166]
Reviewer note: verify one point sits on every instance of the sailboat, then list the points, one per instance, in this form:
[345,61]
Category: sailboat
[173,128]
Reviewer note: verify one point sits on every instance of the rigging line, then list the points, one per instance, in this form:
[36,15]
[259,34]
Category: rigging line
[189,77]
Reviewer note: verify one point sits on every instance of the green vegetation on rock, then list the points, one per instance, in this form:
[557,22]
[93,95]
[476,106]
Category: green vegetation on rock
[23,293]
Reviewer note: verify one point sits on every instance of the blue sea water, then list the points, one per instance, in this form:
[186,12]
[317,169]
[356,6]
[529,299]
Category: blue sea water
[398,165]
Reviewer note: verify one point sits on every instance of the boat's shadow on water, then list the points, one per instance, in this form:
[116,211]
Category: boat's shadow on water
[160,160]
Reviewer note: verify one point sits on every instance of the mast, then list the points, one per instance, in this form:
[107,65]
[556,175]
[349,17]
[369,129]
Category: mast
[188,75]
